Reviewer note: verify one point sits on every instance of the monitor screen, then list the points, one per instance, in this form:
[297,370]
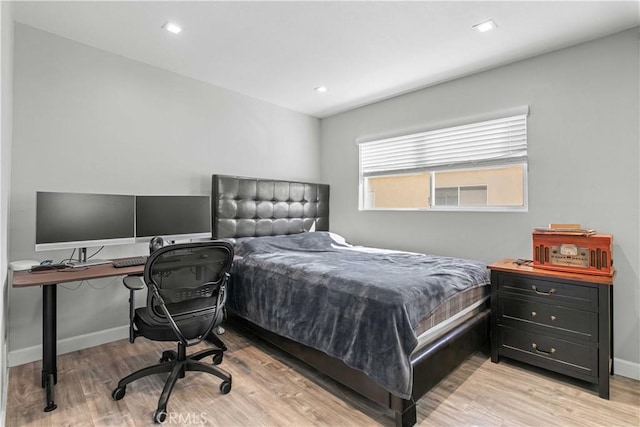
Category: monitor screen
[173,217]
[77,220]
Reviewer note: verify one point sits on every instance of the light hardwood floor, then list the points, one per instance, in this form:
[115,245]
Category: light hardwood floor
[271,389]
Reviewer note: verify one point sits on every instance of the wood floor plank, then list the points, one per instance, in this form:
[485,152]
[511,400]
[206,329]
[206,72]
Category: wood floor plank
[272,389]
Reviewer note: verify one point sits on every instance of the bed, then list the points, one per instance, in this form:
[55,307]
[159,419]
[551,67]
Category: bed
[371,319]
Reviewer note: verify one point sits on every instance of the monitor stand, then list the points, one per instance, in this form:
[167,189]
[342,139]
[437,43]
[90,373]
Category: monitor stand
[82,260]
[90,262]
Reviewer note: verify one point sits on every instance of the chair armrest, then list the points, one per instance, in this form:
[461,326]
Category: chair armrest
[134,282]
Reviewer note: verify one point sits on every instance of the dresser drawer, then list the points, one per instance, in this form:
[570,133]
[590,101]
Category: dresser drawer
[548,352]
[576,324]
[561,294]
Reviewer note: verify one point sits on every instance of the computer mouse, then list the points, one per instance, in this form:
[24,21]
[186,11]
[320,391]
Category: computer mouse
[46,262]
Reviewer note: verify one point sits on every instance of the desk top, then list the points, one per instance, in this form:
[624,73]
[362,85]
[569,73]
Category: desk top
[23,279]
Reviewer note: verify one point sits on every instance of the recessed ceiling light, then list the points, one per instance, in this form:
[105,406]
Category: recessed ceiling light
[320,89]
[172,28]
[486,26]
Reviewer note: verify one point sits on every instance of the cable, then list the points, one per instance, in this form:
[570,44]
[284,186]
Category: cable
[72,289]
[111,283]
[74,252]
[72,269]
[95,253]
[88,282]
[70,257]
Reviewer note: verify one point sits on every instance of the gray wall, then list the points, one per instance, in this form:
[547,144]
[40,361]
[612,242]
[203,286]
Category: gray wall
[583,164]
[6,59]
[89,121]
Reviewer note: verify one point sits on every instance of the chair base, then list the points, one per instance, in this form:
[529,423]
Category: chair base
[177,363]
[213,339]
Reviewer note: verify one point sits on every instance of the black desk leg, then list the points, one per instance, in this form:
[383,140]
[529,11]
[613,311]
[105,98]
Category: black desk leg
[49,369]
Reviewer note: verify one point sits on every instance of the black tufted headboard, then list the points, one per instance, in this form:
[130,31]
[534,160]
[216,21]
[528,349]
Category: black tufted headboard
[249,207]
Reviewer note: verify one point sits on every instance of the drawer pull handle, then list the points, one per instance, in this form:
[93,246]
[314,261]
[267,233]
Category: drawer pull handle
[534,314]
[535,289]
[546,353]
[553,317]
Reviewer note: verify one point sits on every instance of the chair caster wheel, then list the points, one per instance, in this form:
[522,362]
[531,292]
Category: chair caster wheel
[159,416]
[225,387]
[217,358]
[167,356]
[119,393]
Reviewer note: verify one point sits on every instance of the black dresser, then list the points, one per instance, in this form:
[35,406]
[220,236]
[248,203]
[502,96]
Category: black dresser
[554,320]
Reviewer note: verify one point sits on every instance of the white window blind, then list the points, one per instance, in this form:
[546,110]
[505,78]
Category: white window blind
[503,139]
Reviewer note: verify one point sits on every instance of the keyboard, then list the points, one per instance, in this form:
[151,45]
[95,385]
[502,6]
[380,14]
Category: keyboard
[129,262]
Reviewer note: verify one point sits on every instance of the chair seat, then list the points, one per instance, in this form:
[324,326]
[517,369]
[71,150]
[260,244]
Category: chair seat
[162,331]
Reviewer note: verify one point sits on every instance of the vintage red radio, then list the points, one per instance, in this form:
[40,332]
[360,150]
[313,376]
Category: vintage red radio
[575,251]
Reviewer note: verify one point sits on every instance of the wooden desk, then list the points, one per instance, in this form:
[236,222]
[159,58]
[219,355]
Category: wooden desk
[49,281]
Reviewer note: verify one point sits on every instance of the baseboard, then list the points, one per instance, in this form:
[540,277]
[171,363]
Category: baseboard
[624,368]
[67,345]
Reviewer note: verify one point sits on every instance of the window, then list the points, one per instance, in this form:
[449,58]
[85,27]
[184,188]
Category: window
[480,166]
[475,195]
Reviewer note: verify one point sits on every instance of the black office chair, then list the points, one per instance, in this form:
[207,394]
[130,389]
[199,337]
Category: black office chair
[185,299]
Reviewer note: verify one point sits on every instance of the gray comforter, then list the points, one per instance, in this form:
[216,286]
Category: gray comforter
[357,304]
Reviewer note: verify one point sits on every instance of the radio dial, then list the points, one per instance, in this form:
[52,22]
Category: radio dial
[570,250]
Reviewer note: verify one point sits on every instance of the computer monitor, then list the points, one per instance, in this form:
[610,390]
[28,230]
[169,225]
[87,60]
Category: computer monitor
[81,220]
[173,217]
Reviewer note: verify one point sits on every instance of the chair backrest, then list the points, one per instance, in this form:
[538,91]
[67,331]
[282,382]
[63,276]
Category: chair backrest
[187,280]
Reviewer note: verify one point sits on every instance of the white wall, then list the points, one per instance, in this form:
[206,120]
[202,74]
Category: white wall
[6,69]
[583,165]
[90,121]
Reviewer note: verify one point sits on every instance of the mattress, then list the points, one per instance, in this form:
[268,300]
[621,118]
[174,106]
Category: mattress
[453,312]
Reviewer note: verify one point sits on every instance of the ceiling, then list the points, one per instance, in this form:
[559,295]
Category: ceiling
[362,51]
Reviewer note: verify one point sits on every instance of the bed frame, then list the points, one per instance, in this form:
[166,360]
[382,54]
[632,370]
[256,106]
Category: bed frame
[247,207]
